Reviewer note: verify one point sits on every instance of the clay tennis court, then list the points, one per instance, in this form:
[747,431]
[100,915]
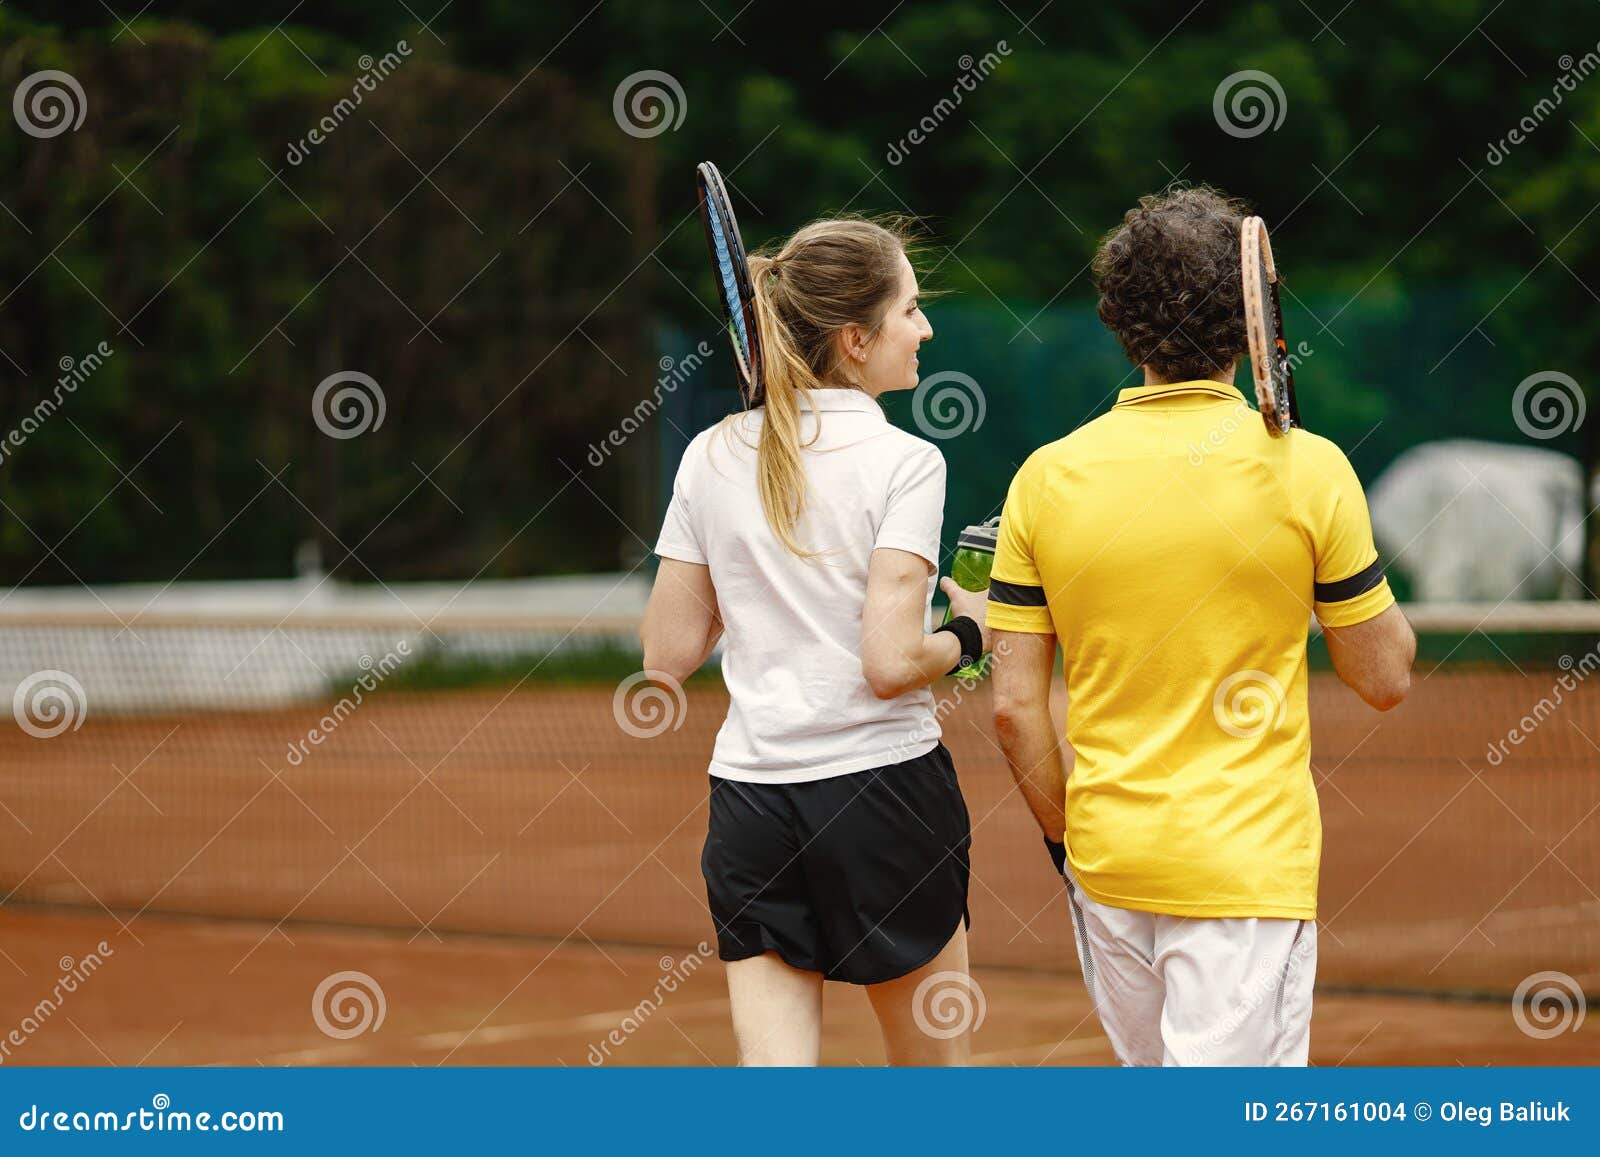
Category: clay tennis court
[516,873]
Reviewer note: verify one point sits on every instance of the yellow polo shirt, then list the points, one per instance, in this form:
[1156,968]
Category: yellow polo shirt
[1177,551]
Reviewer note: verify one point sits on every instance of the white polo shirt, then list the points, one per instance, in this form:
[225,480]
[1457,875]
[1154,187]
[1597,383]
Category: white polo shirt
[800,706]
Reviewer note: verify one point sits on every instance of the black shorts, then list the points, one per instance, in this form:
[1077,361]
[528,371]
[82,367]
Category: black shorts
[861,877]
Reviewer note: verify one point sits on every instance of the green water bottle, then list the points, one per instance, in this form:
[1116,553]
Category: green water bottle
[970,568]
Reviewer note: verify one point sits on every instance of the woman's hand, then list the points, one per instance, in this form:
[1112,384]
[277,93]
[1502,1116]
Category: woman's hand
[973,604]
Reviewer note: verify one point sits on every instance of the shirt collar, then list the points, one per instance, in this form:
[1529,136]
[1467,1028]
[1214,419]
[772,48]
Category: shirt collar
[841,399]
[1137,394]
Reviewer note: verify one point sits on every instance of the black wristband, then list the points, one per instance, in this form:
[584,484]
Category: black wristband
[1058,855]
[970,636]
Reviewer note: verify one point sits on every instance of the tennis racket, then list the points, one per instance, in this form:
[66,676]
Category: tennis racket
[1263,322]
[732,272]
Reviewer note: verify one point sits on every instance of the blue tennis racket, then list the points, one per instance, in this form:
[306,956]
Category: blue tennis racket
[732,272]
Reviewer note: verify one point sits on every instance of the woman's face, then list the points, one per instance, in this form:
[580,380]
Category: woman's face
[888,360]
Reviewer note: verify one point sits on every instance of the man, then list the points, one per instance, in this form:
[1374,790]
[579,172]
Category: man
[1177,551]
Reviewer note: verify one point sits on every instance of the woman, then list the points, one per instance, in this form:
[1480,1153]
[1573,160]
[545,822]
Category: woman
[808,528]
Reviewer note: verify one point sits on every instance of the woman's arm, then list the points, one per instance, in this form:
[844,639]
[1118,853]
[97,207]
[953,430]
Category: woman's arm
[682,622]
[896,655]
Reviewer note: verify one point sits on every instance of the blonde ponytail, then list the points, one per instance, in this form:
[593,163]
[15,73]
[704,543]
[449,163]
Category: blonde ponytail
[828,275]
[788,377]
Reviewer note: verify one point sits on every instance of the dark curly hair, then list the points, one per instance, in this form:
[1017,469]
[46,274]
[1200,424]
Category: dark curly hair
[1169,283]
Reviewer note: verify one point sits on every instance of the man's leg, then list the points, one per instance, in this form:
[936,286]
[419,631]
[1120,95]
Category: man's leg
[1116,949]
[1238,991]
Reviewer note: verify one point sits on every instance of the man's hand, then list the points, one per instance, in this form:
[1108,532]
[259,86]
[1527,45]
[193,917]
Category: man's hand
[1058,855]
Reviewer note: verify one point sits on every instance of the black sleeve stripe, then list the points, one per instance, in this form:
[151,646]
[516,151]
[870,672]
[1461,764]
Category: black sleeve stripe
[1357,584]
[1015,595]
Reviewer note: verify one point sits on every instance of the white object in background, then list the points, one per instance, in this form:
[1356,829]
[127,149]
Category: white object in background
[1471,521]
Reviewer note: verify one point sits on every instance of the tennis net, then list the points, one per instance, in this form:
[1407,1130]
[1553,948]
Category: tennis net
[508,774]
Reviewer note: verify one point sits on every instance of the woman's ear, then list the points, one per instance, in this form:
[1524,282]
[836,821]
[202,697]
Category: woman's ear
[853,344]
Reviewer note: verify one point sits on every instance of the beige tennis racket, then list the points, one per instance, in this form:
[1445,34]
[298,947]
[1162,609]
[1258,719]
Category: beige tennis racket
[1263,321]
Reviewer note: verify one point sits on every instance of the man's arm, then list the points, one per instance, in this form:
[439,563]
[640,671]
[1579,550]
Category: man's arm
[1374,657]
[1369,640]
[1023,664]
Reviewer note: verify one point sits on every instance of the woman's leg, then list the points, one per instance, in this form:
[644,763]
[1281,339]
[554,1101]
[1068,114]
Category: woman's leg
[777,1011]
[933,1026]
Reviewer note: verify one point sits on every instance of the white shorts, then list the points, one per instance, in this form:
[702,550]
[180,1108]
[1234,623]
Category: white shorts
[1175,990]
